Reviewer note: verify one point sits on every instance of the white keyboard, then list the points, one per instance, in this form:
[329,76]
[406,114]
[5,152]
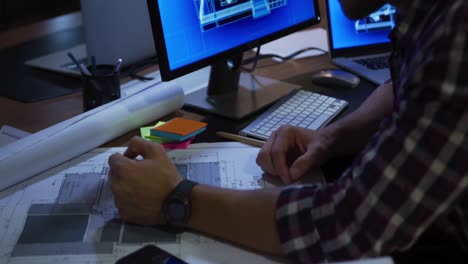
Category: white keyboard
[300,108]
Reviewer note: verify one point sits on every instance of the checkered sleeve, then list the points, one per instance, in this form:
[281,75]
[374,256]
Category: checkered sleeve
[413,170]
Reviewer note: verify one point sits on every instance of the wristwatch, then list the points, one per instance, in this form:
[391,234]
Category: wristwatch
[177,206]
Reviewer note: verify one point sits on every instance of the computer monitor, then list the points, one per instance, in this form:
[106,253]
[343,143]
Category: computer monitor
[193,34]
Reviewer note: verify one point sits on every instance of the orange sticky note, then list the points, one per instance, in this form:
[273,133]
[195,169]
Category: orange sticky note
[180,126]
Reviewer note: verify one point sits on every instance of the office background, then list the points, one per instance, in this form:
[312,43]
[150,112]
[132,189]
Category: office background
[14,13]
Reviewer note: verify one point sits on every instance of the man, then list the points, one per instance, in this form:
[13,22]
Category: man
[410,176]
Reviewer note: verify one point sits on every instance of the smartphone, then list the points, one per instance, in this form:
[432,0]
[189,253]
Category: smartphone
[150,254]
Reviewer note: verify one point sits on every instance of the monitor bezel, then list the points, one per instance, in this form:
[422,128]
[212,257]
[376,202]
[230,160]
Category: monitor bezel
[158,35]
[351,51]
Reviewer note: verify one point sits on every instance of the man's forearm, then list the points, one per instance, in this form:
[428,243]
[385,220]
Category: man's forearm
[353,131]
[246,218]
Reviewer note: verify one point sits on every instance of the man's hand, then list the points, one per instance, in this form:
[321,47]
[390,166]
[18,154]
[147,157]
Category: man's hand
[141,185]
[292,151]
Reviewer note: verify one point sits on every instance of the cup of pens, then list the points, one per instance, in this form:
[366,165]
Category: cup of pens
[101,83]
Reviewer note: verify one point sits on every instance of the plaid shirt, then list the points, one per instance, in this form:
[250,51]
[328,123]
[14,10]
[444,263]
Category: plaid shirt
[414,171]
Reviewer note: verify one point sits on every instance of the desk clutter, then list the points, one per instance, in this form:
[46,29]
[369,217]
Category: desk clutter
[101,83]
[177,133]
[47,148]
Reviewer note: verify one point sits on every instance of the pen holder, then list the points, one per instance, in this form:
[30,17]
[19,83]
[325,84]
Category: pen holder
[102,86]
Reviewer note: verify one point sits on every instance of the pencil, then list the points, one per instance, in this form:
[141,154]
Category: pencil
[242,139]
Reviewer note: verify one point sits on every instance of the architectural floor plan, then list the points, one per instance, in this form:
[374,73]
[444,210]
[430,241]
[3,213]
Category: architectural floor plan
[68,214]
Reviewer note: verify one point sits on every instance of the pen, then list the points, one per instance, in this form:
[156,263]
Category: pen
[118,65]
[84,70]
[75,61]
[242,139]
[93,64]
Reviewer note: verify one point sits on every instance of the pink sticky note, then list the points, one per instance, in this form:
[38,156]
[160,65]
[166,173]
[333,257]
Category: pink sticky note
[178,145]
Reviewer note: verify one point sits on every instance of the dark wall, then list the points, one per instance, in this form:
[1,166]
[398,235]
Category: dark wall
[15,13]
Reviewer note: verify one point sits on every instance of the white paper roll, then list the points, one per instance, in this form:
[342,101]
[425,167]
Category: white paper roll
[52,146]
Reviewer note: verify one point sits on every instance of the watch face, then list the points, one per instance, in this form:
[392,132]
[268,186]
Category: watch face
[177,210]
[176,207]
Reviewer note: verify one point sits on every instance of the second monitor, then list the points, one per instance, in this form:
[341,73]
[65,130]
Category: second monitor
[193,34]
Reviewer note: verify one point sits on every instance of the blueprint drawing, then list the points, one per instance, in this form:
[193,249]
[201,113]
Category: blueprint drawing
[216,13]
[67,214]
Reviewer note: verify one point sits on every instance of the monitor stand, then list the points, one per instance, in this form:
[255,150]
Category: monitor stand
[237,95]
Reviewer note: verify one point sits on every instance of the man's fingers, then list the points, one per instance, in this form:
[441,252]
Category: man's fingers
[279,151]
[147,149]
[302,164]
[264,156]
[116,163]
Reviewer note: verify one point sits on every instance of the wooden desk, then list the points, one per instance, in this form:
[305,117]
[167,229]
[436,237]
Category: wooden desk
[33,117]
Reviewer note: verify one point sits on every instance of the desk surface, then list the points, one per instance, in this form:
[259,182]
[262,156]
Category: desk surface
[51,35]
[33,117]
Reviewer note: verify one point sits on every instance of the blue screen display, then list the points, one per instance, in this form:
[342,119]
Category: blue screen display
[373,29]
[197,29]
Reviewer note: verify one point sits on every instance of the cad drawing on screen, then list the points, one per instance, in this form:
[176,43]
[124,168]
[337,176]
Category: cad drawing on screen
[216,13]
[216,33]
[382,19]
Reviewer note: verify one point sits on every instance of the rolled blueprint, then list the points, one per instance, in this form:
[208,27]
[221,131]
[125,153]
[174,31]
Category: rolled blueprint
[59,143]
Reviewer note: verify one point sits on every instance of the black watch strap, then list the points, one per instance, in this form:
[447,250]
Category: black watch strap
[179,198]
[185,186]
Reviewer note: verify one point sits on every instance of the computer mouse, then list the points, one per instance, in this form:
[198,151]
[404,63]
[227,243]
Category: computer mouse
[336,78]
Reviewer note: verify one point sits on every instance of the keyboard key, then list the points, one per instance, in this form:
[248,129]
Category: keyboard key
[376,63]
[318,122]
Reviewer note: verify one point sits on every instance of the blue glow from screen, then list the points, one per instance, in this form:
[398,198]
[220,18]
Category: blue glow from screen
[188,40]
[345,31]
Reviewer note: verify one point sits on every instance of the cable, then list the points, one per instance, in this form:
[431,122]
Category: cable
[258,57]
[255,60]
[135,68]
[132,71]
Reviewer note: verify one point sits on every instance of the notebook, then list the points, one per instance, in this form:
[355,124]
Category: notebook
[362,46]
[112,29]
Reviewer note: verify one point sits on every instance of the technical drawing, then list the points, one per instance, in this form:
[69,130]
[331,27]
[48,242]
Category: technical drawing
[216,13]
[70,215]
[84,219]
[382,19]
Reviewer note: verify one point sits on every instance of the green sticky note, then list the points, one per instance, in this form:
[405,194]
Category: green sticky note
[145,134]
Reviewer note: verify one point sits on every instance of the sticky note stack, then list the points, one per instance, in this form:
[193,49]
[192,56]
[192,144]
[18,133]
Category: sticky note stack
[145,133]
[169,143]
[178,129]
